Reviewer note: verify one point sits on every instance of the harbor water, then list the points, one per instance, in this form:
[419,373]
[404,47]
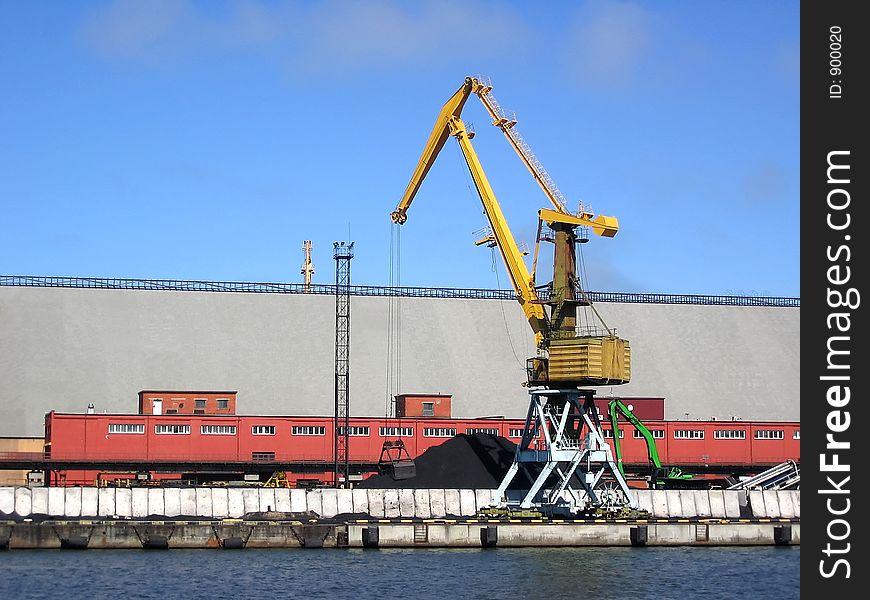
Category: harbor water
[606,573]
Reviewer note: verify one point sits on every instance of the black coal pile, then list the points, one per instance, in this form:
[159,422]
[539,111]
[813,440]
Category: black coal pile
[465,461]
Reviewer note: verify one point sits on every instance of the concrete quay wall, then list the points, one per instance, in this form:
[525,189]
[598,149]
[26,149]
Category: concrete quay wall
[235,503]
[238,534]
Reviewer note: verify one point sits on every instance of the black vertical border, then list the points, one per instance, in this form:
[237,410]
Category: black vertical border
[832,121]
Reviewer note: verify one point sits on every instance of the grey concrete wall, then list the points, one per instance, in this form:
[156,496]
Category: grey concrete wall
[63,348]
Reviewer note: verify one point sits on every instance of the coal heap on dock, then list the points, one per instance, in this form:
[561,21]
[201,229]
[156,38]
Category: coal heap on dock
[478,461]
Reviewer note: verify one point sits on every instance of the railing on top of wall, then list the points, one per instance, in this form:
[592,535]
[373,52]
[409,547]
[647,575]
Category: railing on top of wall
[180,285]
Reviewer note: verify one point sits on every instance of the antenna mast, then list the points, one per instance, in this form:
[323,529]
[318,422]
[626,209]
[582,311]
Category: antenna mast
[307,265]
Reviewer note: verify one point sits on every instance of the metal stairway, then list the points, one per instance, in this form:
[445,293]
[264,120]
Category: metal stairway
[783,476]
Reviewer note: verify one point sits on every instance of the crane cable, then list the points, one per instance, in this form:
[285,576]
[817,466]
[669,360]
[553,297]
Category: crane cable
[394,337]
[504,315]
[475,198]
[582,314]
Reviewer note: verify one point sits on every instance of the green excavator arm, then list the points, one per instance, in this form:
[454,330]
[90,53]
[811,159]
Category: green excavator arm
[614,409]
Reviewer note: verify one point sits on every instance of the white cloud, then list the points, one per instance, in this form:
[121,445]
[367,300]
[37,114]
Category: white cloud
[609,41]
[127,28]
[327,35]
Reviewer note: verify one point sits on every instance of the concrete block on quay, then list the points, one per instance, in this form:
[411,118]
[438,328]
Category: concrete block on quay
[90,502]
[267,499]
[771,504]
[437,506]
[360,500]
[483,498]
[156,505]
[298,501]
[23,501]
[375,498]
[452,505]
[282,500]
[220,503]
[236,503]
[732,504]
[660,503]
[674,503]
[7,500]
[204,506]
[39,501]
[717,503]
[56,500]
[124,502]
[329,502]
[106,502]
[188,502]
[687,504]
[644,500]
[406,503]
[344,498]
[391,503]
[172,502]
[72,506]
[139,502]
[786,503]
[702,503]
[251,499]
[467,503]
[314,502]
[756,503]
[422,507]
[796,501]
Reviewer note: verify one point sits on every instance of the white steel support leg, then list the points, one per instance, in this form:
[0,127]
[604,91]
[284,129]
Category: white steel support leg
[537,485]
[573,446]
[499,494]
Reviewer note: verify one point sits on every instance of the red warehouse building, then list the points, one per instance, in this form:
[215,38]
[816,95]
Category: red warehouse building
[424,405]
[156,402]
[304,445]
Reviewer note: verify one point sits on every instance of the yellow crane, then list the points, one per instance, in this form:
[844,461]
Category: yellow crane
[562,437]
[566,356]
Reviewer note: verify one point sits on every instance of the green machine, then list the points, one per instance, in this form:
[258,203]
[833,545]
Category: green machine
[661,476]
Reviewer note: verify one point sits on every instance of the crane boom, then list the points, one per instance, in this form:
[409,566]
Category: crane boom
[507,125]
[564,358]
[449,124]
[440,132]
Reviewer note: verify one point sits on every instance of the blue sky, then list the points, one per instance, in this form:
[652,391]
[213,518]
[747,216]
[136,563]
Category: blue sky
[207,140]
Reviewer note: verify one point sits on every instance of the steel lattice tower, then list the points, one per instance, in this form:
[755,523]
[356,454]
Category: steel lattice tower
[342,253]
